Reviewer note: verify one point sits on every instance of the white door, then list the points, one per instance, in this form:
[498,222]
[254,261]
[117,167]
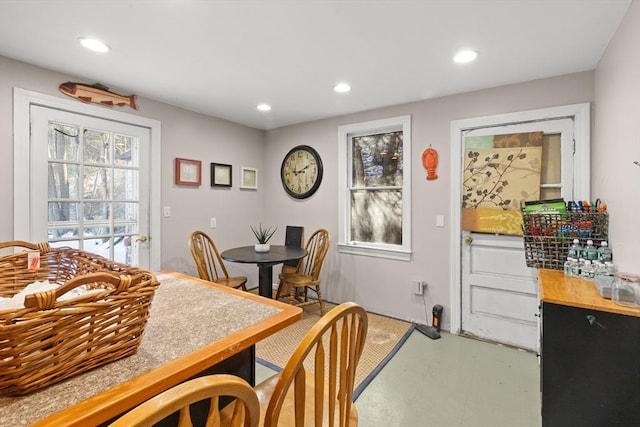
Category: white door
[95,194]
[499,293]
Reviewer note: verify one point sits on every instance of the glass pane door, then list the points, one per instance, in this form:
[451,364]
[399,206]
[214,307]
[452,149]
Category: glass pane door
[96,188]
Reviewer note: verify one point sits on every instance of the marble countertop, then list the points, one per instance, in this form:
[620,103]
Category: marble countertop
[185,316]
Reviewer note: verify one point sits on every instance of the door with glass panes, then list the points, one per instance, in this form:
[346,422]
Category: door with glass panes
[95,193]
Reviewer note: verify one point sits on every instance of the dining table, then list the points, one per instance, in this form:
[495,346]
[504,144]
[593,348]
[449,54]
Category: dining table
[195,328]
[277,254]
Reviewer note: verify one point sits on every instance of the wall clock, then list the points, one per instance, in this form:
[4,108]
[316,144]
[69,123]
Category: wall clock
[301,172]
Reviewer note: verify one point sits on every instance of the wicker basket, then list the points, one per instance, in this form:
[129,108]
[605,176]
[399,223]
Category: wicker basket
[547,237]
[51,340]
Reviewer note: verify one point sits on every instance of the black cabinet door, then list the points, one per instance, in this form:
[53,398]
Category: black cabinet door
[590,368]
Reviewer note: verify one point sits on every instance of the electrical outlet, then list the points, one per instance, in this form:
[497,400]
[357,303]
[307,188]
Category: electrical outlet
[417,287]
[166,211]
[213,223]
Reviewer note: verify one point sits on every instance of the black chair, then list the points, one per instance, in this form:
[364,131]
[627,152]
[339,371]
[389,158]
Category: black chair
[294,236]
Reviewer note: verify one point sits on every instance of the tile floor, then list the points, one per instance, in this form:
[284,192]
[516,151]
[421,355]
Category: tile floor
[451,382]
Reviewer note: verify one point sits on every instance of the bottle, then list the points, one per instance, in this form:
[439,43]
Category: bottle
[587,270]
[575,250]
[567,267]
[598,269]
[604,252]
[610,268]
[590,251]
[577,267]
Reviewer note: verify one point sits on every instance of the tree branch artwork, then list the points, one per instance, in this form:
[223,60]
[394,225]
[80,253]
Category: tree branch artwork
[501,178]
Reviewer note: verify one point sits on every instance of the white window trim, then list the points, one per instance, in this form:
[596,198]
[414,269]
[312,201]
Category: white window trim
[581,177]
[345,133]
[22,100]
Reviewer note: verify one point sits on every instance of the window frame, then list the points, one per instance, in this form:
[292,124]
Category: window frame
[345,134]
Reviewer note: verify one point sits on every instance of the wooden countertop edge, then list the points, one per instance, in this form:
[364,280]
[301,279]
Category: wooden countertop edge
[556,288]
[112,402]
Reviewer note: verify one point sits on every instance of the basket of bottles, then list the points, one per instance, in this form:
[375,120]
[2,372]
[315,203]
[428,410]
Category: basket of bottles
[549,236]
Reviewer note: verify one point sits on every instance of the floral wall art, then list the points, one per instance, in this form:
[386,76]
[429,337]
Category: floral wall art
[500,172]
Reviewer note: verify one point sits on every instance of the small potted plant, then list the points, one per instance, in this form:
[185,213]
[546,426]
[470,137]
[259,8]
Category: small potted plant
[263,235]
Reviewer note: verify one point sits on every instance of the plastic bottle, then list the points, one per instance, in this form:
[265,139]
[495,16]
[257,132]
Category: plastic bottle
[577,267]
[587,270]
[604,252]
[575,250]
[598,269]
[610,268]
[590,251]
[567,267]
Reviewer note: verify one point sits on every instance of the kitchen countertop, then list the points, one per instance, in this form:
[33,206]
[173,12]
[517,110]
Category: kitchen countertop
[557,288]
[185,317]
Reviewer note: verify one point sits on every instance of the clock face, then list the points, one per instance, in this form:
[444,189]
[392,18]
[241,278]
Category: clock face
[301,172]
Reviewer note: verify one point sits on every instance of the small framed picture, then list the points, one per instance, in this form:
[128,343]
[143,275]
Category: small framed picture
[249,178]
[220,175]
[188,172]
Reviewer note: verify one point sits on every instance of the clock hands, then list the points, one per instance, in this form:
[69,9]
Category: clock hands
[296,173]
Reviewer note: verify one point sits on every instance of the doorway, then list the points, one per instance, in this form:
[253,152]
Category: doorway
[494,295]
[89,179]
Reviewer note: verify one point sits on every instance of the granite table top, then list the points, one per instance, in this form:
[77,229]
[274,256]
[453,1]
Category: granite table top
[185,316]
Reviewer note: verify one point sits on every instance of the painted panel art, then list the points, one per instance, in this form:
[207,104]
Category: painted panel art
[497,180]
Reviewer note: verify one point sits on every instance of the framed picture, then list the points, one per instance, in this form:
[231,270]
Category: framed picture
[188,172]
[220,175]
[249,178]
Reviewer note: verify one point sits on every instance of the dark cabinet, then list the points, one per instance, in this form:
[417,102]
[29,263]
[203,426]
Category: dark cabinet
[590,367]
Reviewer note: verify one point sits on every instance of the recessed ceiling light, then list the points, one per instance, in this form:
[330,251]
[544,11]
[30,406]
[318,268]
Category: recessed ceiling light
[264,107]
[342,88]
[94,44]
[465,56]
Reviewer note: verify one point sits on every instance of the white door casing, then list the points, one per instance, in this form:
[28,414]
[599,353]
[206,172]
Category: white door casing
[26,182]
[504,288]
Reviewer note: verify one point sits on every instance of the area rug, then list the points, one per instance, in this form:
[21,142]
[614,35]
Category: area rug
[384,337]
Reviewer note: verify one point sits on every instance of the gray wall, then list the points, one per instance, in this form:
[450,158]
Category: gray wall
[617,139]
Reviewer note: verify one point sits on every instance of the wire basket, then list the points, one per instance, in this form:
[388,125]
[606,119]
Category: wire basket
[547,237]
[52,339]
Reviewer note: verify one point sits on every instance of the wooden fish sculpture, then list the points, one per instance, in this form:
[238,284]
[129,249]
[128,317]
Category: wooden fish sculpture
[97,94]
[430,163]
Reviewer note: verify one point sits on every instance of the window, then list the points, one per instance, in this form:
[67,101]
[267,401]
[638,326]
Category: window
[93,191]
[375,188]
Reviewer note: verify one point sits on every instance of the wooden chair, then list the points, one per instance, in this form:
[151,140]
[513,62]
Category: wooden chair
[321,395]
[244,411]
[296,285]
[209,262]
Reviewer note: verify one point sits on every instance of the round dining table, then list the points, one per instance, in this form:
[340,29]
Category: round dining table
[266,260]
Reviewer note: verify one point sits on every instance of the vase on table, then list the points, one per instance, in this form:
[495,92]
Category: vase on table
[262,247]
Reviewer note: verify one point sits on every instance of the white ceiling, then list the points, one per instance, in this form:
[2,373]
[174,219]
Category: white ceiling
[222,58]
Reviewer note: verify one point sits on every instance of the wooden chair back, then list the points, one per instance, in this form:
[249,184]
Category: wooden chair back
[317,248]
[246,411]
[335,344]
[207,258]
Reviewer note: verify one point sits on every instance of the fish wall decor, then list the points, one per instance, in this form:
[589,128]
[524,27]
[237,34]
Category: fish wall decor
[97,94]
